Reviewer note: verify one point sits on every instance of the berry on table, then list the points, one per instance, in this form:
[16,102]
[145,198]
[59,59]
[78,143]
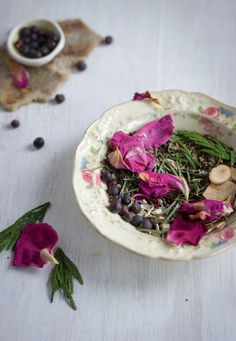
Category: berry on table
[107,40]
[38,142]
[15,123]
[81,65]
[59,98]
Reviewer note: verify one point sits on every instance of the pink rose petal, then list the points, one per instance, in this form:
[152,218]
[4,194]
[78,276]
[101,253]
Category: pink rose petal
[157,185]
[130,153]
[157,132]
[184,231]
[19,74]
[207,210]
[33,239]
[145,96]
[20,78]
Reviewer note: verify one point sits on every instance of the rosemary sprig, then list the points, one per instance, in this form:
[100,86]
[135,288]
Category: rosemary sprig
[10,235]
[62,277]
[207,144]
[188,157]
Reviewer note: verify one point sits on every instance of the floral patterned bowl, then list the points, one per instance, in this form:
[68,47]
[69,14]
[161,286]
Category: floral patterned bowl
[190,111]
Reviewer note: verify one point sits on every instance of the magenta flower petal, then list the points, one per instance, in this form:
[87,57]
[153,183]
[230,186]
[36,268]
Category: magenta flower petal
[135,159]
[19,74]
[186,231]
[157,132]
[207,210]
[119,139]
[129,151]
[130,154]
[33,239]
[145,96]
[20,78]
[141,96]
[157,185]
[116,160]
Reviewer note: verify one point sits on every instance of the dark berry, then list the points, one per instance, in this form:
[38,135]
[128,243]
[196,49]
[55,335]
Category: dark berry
[128,217]
[126,199]
[25,31]
[55,37]
[113,182]
[33,29]
[34,36]
[32,53]
[116,206]
[19,44]
[154,223]
[108,40]
[51,44]
[137,220]
[135,207]
[38,54]
[34,45]
[59,98]
[106,175]
[38,142]
[44,50]
[81,66]
[113,190]
[42,41]
[147,224]
[24,49]
[26,39]
[125,210]
[15,123]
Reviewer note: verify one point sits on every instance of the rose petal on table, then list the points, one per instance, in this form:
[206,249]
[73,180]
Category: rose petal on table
[20,78]
[33,239]
[19,74]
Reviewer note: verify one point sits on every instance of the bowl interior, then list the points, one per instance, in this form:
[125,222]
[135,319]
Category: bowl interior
[90,192]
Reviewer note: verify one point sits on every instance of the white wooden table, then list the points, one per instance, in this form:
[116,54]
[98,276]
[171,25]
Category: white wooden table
[159,44]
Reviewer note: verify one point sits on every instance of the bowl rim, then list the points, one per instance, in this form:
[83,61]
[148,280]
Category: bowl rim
[37,61]
[75,169]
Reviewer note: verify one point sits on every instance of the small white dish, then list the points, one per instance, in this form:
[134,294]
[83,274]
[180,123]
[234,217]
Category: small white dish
[47,24]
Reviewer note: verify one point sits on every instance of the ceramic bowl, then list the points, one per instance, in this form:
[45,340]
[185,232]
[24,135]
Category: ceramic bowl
[47,24]
[190,111]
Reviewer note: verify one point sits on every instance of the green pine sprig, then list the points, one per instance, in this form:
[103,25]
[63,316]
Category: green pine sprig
[10,235]
[207,144]
[62,277]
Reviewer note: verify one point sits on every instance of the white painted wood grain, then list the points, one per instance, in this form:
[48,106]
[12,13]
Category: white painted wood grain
[159,44]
